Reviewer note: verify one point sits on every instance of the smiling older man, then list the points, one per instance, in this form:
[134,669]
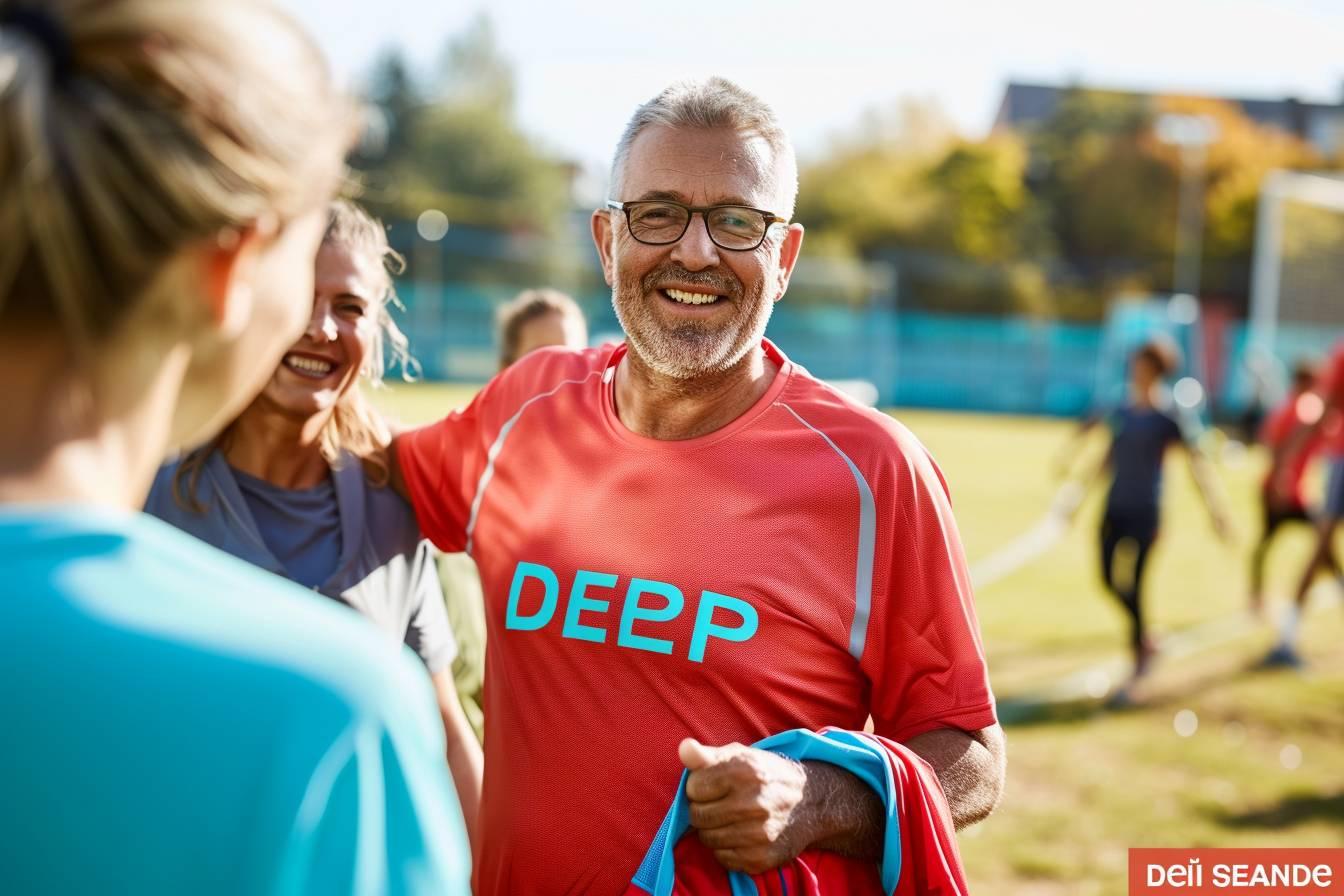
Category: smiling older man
[686,541]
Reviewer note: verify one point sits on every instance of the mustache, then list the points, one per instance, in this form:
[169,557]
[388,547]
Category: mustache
[721,284]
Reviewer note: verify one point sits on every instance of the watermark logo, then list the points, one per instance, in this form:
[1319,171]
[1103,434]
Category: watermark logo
[1244,872]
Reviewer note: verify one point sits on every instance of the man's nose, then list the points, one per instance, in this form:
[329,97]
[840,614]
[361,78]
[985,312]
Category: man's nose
[695,251]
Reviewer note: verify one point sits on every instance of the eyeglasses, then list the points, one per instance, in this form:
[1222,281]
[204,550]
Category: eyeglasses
[661,222]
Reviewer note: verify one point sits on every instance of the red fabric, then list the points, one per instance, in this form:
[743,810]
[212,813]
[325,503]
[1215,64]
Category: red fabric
[930,861]
[1278,426]
[581,736]
[1332,390]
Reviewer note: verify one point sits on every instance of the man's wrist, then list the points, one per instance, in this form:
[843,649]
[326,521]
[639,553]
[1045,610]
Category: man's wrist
[837,810]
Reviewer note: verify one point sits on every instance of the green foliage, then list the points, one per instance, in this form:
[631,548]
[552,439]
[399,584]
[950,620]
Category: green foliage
[1057,221]
[453,144]
[962,205]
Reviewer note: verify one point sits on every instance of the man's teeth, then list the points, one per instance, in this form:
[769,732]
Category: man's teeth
[309,365]
[690,298]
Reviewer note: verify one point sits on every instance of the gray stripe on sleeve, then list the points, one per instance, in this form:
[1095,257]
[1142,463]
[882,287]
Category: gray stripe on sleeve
[498,445]
[863,574]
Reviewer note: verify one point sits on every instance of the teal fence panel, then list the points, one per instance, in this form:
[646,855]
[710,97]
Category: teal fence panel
[1016,365]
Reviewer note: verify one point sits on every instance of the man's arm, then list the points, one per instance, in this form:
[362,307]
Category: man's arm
[757,810]
[971,766]
[1206,483]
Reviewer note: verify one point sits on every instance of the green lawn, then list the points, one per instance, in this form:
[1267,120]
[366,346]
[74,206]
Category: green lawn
[1263,767]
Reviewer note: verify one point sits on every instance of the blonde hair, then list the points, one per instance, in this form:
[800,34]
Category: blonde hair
[132,128]
[354,427]
[524,308]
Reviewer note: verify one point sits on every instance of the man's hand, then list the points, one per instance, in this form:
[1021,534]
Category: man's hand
[744,803]
[758,810]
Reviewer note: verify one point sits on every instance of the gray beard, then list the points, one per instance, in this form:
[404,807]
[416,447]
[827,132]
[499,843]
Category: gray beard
[690,350]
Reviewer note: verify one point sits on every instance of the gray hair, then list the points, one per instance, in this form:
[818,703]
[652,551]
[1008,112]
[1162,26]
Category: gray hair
[712,103]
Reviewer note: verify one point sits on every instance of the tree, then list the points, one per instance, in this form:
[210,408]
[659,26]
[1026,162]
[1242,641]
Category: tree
[1111,187]
[952,214]
[454,145]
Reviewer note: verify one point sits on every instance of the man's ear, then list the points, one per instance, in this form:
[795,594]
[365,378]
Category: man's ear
[229,264]
[788,257]
[602,238]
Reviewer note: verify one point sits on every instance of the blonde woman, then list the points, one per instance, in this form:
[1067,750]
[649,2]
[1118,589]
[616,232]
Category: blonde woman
[176,721]
[283,486]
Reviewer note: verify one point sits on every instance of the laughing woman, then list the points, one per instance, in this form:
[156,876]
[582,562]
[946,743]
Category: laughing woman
[284,488]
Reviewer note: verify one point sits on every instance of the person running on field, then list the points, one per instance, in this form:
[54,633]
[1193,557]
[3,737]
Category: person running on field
[1329,426]
[176,721]
[1142,429]
[285,486]
[1301,406]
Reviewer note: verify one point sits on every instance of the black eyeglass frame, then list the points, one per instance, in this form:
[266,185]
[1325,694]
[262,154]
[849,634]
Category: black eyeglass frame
[771,219]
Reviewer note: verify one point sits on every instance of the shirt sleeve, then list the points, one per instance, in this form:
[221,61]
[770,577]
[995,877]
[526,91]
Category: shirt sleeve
[442,463]
[429,633]
[923,654]
[379,816]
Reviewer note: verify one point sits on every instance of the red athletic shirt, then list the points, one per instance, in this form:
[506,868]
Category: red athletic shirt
[1281,423]
[1332,390]
[799,567]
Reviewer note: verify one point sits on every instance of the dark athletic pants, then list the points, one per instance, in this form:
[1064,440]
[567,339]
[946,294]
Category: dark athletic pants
[1137,527]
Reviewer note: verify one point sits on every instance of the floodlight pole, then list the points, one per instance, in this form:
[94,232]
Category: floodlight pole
[1192,134]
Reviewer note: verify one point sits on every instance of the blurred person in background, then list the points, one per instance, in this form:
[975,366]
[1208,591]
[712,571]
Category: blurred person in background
[1301,407]
[1142,429]
[687,544]
[177,721]
[283,485]
[1328,427]
[537,318]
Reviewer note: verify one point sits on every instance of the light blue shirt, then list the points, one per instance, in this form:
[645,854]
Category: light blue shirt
[176,721]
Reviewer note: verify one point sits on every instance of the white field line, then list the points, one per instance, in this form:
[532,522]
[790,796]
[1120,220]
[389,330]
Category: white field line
[1099,679]
[1032,543]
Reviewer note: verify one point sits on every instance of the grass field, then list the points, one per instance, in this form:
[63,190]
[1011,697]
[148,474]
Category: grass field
[1264,765]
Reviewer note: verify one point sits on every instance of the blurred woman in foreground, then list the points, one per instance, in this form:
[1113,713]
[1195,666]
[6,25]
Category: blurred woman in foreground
[177,722]
[283,486]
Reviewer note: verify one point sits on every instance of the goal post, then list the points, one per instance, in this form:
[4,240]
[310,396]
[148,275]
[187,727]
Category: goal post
[1297,272]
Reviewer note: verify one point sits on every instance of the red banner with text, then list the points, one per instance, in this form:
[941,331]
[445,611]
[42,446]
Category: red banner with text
[1236,872]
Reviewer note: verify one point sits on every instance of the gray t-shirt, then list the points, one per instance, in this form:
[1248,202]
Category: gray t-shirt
[384,569]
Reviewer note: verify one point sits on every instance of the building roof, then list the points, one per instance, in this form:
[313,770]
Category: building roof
[1026,105]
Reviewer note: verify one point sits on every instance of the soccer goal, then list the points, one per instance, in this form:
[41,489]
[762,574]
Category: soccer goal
[1297,278]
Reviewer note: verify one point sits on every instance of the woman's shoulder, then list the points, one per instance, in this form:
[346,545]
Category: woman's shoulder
[388,517]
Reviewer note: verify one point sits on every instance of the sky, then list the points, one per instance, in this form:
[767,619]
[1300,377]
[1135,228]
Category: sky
[583,66]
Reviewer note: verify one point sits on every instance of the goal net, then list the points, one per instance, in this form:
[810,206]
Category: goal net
[1297,284]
